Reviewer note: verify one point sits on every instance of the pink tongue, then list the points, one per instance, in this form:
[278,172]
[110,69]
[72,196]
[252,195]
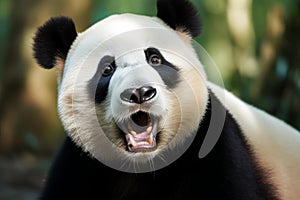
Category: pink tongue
[141,137]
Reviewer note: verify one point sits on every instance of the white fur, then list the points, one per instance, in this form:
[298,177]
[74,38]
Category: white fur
[276,144]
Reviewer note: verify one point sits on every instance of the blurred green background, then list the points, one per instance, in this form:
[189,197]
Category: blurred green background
[255,44]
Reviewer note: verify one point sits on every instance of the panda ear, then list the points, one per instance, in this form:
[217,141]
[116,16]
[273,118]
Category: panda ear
[53,41]
[181,15]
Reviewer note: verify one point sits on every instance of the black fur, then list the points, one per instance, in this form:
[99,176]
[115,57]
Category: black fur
[167,71]
[99,84]
[180,14]
[229,172]
[53,40]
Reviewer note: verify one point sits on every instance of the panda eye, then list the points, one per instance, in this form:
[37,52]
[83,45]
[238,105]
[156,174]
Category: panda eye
[155,60]
[107,70]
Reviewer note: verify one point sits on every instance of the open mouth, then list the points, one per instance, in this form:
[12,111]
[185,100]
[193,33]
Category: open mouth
[141,131]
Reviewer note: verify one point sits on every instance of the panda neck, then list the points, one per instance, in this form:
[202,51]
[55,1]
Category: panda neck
[232,158]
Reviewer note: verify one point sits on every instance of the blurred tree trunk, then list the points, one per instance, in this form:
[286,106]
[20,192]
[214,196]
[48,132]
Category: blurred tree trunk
[278,81]
[269,49]
[27,93]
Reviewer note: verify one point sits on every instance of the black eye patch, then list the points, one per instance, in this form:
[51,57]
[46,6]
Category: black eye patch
[100,82]
[167,71]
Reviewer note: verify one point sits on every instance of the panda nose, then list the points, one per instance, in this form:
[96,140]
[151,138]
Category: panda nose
[138,95]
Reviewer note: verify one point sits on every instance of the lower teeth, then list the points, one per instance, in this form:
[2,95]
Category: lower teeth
[133,133]
[149,129]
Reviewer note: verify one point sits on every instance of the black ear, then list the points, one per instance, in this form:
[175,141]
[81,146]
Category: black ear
[180,15]
[53,41]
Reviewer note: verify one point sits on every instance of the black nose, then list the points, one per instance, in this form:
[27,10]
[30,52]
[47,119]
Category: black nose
[138,95]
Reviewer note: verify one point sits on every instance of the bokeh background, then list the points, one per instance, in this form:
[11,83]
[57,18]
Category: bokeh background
[254,43]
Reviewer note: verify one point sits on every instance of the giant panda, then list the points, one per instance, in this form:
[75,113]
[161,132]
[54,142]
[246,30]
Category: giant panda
[137,108]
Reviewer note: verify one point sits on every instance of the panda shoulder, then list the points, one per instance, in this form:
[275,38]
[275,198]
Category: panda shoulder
[275,144]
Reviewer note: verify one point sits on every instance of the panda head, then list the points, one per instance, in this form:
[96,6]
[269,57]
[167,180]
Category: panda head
[131,87]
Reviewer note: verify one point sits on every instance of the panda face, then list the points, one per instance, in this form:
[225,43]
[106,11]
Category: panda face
[141,88]
[137,89]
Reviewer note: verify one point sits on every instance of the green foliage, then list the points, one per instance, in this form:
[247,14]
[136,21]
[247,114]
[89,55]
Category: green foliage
[105,8]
